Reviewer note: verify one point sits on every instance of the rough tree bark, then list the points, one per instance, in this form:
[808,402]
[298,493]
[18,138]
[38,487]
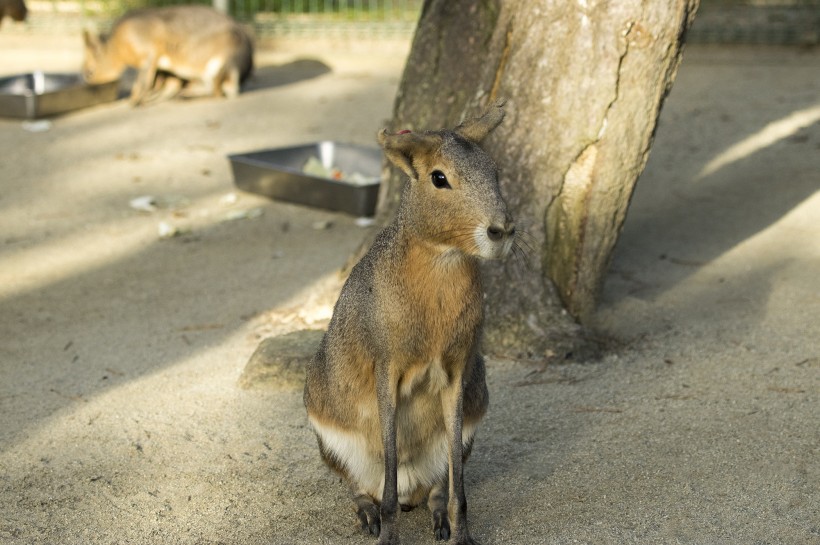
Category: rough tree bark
[584,83]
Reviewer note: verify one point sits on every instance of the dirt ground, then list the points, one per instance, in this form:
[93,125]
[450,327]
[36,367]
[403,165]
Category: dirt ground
[122,421]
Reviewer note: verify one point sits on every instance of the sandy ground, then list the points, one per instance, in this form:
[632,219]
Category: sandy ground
[122,421]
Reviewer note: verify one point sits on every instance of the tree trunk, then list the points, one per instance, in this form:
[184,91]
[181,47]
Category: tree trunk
[584,83]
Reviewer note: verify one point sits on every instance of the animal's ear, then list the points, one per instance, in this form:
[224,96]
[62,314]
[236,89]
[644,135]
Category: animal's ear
[402,147]
[478,128]
[91,40]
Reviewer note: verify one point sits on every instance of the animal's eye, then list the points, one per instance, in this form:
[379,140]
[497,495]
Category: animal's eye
[440,180]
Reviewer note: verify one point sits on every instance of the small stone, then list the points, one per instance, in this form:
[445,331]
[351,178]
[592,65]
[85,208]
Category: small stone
[143,203]
[229,199]
[166,230]
[279,362]
[244,214]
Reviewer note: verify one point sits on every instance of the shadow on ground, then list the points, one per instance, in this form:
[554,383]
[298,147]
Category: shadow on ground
[265,77]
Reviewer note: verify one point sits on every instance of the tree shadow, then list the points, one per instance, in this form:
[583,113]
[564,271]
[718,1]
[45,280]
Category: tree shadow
[144,306]
[736,151]
[74,338]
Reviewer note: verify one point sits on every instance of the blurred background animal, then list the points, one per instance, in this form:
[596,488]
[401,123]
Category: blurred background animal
[198,50]
[16,9]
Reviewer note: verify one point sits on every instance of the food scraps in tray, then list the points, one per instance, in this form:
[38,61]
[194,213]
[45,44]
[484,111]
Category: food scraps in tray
[314,167]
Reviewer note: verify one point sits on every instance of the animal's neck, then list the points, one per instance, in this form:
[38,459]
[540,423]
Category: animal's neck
[440,257]
[436,267]
[441,291]
[431,253]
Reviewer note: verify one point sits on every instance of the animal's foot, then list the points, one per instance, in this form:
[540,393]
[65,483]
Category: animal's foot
[369,518]
[441,525]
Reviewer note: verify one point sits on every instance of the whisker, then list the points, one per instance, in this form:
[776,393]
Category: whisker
[455,235]
[525,246]
[526,236]
[521,255]
[522,247]
[524,239]
[461,231]
[455,239]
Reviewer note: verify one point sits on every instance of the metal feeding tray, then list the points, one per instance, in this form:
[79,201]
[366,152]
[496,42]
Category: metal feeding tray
[330,175]
[42,94]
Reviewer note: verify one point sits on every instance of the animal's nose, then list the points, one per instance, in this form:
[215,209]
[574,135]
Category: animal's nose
[495,232]
[498,232]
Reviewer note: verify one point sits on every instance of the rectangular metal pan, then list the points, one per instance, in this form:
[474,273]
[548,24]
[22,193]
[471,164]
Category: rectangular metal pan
[41,94]
[281,174]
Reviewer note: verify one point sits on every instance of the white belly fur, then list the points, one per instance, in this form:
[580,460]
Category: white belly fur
[366,467]
[206,73]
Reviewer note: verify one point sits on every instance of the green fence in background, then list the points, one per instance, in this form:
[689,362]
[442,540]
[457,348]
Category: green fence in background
[718,21]
[376,18]
[771,22]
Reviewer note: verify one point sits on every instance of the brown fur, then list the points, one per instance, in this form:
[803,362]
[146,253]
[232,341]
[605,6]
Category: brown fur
[205,52]
[16,9]
[397,387]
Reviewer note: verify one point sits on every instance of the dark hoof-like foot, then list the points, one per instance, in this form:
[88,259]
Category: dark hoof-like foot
[369,518]
[441,526]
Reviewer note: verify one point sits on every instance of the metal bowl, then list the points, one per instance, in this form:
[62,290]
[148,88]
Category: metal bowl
[288,174]
[40,94]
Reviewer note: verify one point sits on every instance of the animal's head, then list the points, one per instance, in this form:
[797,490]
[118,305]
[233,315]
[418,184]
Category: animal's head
[99,64]
[16,9]
[453,199]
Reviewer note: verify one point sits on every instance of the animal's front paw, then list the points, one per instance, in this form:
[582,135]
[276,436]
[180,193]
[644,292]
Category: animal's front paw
[441,525]
[369,518]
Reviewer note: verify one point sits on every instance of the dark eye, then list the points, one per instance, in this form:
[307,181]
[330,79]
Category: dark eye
[440,180]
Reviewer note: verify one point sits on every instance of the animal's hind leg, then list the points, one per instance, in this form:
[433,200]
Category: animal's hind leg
[166,86]
[437,502]
[198,88]
[145,80]
[230,82]
[368,513]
